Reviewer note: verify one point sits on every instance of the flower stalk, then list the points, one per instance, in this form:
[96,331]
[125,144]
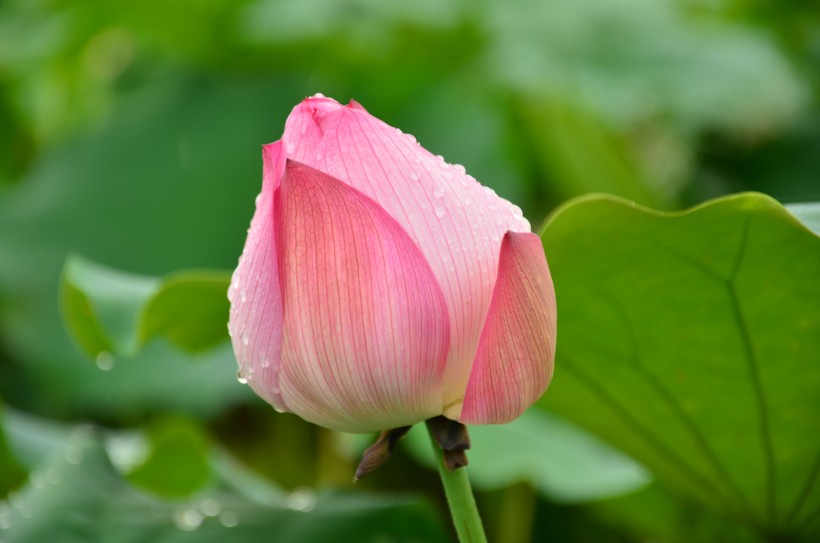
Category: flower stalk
[460,497]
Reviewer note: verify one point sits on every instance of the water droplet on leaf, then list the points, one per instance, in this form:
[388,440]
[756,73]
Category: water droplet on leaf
[187,520]
[229,519]
[105,360]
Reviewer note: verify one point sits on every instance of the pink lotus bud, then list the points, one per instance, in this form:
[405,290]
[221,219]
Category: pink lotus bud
[380,286]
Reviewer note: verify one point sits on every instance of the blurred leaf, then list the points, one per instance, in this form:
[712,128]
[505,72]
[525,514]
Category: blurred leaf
[101,306]
[83,499]
[563,462]
[12,473]
[109,310]
[190,309]
[139,192]
[33,439]
[581,155]
[808,213]
[690,341]
[630,60]
[178,464]
[654,514]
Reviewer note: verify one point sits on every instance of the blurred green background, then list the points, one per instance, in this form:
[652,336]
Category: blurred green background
[131,133]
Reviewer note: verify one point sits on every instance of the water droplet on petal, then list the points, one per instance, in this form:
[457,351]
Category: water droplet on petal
[318,155]
[460,169]
[489,191]
[265,361]
[290,147]
[447,174]
[438,192]
[318,95]
[240,377]
[440,212]
[411,138]
[414,176]
[245,338]
[258,199]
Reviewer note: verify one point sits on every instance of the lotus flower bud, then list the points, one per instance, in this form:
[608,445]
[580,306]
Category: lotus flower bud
[380,286]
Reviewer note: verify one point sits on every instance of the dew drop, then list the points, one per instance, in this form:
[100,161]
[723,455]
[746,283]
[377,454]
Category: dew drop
[105,361]
[488,191]
[37,480]
[318,95]
[243,297]
[245,338]
[447,174]
[517,211]
[74,455]
[290,147]
[229,519]
[258,199]
[53,476]
[265,361]
[411,138]
[241,378]
[440,212]
[460,169]
[210,508]
[301,499]
[318,155]
[414,176]
[187,520]
[438,192]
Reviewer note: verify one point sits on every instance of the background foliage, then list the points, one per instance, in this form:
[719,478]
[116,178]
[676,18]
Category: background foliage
[130,138]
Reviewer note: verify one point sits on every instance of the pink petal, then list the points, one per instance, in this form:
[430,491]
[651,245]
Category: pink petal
[366,331]
[256,296]
[513,365]
[456,223]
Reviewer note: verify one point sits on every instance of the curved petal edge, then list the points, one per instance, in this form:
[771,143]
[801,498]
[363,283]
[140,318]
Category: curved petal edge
[514,361]
[366,330]
[255,293]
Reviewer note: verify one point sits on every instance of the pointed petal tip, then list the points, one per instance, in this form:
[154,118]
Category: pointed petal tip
[516,353]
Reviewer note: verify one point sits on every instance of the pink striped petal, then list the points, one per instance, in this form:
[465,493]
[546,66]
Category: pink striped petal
[366,331]
[456,223]
[255,293]
[513,365]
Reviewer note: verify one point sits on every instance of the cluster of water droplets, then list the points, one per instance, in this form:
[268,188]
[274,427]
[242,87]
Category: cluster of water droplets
[462,197]
[189,519]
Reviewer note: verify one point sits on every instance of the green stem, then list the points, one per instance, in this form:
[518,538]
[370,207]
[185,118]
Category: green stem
[460,499]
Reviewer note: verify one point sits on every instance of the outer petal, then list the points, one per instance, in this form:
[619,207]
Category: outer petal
[514,362]
[366,331]
[457,223]
[256,297]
